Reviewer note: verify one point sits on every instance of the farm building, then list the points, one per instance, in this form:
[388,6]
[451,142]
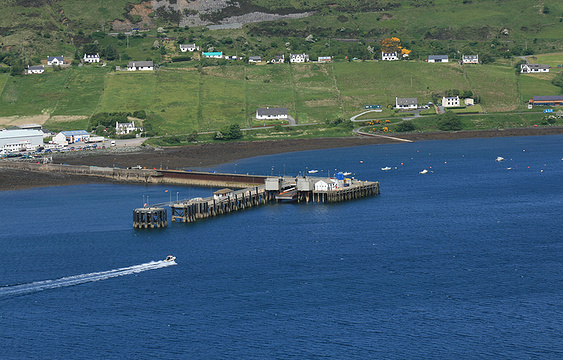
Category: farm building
[324,59]
[551,100]
[254,59]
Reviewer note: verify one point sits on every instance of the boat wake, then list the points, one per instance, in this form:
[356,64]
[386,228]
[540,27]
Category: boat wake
[14,290]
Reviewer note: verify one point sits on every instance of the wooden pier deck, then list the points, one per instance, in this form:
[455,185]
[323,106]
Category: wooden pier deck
[300,189]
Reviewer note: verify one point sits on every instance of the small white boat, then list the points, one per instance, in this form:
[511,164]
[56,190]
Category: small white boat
[347,173]
[170,258]
[423,171]
[313,171]
[386,168]
[499,158]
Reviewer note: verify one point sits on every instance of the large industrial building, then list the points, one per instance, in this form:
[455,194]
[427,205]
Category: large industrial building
[19,140]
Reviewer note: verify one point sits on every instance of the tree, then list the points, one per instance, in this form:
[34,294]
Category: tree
[232,132]
[111,53]
[466,94]
[449,121]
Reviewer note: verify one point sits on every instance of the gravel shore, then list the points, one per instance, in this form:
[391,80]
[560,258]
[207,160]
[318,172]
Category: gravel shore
[213,154]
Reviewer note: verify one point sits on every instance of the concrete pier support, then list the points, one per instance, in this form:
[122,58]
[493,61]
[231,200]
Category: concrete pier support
[144,218]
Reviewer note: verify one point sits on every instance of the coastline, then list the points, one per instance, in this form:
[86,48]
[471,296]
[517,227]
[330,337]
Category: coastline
[208,155]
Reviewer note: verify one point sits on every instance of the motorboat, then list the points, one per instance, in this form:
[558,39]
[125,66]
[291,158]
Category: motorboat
[386,168]
[313,171]
[170,258]
[347,174]
[499,158]
[423,171]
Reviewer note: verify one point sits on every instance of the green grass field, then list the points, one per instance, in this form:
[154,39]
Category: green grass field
[189,99]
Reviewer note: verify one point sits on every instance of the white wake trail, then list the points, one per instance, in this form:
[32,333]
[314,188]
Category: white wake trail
[22,289]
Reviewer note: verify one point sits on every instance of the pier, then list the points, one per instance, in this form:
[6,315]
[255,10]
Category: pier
[274,189]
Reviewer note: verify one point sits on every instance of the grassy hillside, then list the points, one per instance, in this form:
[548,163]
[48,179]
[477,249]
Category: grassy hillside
[184,99]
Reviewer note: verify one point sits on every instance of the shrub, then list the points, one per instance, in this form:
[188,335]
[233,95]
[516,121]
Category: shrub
[449,121]
[405,127]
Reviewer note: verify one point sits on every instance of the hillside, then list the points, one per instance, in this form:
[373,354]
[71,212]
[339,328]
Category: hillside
[186,99]
[188,94]
[33,29]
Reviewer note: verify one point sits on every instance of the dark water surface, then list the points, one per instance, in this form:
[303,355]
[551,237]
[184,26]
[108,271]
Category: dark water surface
[462,262]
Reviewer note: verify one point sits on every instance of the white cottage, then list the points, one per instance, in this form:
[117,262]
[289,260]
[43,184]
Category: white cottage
[140,66]
[450,101]
[298,58]
[271,113]
[91,58]
[406,103]
[533,68]
[389,56]
[470,59]
[55,60]
[35,69]
[125,128]
[188,47]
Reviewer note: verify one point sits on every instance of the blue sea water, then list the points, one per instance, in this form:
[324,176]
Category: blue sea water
[463,262]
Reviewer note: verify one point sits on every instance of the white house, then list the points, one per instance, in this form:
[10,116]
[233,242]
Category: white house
[406,103]
[69,137]
[254,59]
[298,58]
[55,60]
[470,59]
[271,113]
[533,68]
[324,59]
[278,59]
[125,128]
[389,56]
[189,47]
[35,69]
[438,58]
[18,140]
[140,66]
[91,58]
[450,101]
[326,185]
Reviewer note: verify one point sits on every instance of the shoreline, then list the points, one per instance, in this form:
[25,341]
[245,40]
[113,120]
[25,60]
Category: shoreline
[207,155]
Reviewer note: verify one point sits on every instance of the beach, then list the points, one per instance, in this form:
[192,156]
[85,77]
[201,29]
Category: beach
[207,155]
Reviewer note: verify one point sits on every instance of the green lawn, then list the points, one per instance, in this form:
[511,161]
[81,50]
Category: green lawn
[128,91]
[534,85]
[82,90]
[33,94]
